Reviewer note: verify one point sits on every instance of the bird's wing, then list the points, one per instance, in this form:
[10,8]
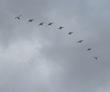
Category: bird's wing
[16,17]
[19,15]
[40,24]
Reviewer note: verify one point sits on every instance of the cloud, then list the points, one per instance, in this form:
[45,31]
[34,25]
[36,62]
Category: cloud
[43,58]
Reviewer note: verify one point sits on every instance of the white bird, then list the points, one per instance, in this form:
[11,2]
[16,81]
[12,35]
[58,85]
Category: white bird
[41,23]
[60,27]
[96,58]
[50,23]
[70,33]
[80,41]
[89,49]
[18,17]
[30,20]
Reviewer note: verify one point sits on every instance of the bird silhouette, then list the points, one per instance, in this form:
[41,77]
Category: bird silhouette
[80,41]
[89,49]
[41,24]
[50,23]
[70,33]
[60,27]
[18,17]
[30,20]
[96,58]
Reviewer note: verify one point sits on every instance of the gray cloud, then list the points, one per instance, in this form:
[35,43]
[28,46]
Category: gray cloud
[43,58]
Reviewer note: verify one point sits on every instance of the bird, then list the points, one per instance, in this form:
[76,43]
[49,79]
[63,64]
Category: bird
[60,27]
[41,23]
[96,58]
[50,23]
[30,20]
[80,41]
[18,17]
[89,49]
[70,33]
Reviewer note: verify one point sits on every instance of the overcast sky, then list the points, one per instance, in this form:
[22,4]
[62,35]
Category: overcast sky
[44,59]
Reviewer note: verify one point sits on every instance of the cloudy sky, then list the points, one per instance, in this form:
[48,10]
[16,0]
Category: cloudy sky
[44,59]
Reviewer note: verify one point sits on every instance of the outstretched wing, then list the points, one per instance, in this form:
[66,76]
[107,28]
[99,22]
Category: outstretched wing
[16,17]
[19,15]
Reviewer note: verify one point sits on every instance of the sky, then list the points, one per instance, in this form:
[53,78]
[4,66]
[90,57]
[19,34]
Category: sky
[37,58]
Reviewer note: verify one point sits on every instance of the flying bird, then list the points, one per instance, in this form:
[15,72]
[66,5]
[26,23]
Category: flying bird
[70,33]
[96,58]
[60,27]
[50,23]
[30,20]
[41,23]
[18,17]
[80,41]
[89,49]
